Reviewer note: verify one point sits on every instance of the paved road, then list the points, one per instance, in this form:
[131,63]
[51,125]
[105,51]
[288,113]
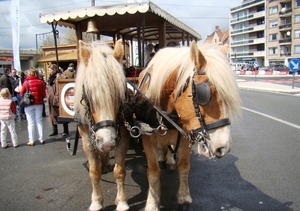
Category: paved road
[46,177]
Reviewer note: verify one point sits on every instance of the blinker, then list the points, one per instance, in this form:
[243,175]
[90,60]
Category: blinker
[202,93]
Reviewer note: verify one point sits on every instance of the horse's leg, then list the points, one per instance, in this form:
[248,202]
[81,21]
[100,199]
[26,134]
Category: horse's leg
[183,165]
[161,156]
[94,169]
[120,171]
[153,173]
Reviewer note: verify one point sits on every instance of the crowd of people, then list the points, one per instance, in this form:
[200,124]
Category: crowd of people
[13,86]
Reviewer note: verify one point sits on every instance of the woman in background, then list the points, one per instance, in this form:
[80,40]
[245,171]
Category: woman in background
[53,107]
[34,112]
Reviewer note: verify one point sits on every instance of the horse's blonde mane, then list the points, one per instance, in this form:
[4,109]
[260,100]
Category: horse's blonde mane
[217,69]
[103,80]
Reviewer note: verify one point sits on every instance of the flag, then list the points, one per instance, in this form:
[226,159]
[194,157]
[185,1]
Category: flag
[15,27]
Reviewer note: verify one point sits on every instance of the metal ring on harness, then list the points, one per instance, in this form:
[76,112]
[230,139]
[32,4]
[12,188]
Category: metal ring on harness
[162,128]
[133,131]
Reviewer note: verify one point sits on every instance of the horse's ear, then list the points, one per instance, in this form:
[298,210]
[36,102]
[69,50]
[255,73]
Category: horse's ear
[197,57]
[118,51]
[224,49]
[84,53]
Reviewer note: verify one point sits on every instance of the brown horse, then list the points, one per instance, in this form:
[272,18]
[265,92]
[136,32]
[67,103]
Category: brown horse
[100,91]
[198,84]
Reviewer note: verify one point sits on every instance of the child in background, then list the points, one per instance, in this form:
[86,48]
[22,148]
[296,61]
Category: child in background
[7,116]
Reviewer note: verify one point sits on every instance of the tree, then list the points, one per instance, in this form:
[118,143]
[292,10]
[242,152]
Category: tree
[49,40]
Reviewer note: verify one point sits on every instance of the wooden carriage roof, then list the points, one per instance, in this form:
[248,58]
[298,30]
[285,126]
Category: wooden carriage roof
[125,20]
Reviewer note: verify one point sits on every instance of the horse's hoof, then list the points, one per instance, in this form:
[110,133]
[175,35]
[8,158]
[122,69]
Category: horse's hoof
[162,165]
[122,206]
[183,207]
[171,167]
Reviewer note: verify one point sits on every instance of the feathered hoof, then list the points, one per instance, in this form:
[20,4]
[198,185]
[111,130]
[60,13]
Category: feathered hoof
[184,207]
[151,207]
[95,206]
[122,206]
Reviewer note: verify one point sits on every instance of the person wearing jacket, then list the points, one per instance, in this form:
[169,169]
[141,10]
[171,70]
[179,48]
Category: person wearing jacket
[53,107]
[7,116]
[34,112]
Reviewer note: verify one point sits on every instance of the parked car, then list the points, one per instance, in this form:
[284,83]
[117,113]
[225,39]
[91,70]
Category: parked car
[278,67]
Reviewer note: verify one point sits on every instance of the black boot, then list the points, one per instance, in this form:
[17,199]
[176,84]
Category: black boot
[54,129]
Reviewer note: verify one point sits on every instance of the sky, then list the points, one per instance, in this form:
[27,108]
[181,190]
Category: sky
[200,15]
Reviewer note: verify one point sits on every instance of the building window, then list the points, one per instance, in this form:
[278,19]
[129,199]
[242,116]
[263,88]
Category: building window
[273,37]
[273,23]
[273,51]
[297,49]
[273,10]
[297,18]
[297,34]
[297,3]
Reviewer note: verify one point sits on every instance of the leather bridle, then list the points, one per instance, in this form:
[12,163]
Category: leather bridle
[200,134]
[98,125]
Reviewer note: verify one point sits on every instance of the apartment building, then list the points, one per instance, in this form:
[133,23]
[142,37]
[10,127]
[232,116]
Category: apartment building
[265,31]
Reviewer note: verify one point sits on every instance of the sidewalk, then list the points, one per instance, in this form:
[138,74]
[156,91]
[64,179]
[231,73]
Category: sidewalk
[269,87]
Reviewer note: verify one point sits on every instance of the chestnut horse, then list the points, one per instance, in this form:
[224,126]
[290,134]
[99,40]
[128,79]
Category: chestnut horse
[198,84]
[100,92]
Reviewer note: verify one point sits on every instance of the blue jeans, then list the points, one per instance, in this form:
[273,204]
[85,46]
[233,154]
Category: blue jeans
[34,118]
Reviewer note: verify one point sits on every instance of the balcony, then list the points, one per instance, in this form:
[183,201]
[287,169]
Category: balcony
[249,29]
[284,1]
[285,41]
[285,54]
[247,5]
[249,17]
[287,12]
[286,26]
[259,53]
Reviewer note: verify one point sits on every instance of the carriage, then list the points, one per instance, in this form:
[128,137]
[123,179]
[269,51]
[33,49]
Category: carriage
[136,24]
[184,98]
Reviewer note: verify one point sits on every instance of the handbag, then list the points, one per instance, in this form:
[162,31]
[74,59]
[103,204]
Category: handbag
[27,98]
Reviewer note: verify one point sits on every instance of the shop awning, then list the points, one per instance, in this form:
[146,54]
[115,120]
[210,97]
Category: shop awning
[62,56]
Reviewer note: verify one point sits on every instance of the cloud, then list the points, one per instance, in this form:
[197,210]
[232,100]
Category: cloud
[201,15]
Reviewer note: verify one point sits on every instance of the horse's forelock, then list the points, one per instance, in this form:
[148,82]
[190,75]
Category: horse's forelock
[103,79]
[217,68]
